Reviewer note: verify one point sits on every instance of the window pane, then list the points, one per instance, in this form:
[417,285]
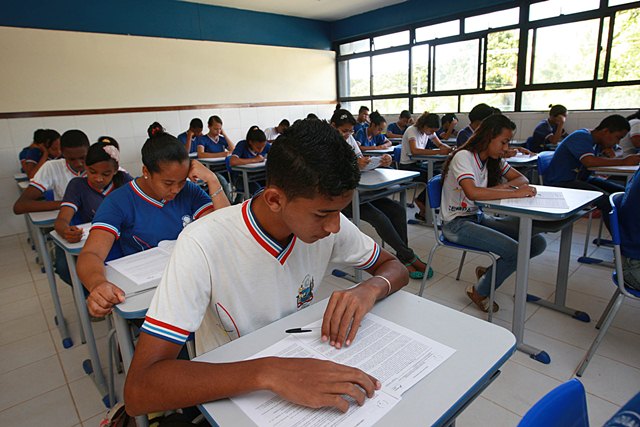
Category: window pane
[617,97]
[420,71]
[391,73]
[390,108]
[436,104]
[625,48]
[354,77]
[603,47]
[573,99]
[566,52]
[617,2]
[551,8]
[354,106]
[391,40]
[355,47]
[502,59]
[457,65]
[527,78]
[503,101]
[498,19]
[444,29]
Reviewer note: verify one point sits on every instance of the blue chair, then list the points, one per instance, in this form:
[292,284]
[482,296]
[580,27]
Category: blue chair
[564,406]
[621,292]
[434,192]
[544,160]
[397,152]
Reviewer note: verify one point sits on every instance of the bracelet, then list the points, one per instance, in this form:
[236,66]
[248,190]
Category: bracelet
[218,191]
[388,284]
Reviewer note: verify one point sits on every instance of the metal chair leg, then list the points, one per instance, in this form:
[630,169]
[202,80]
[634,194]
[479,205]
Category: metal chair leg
[464,255]
[424,279]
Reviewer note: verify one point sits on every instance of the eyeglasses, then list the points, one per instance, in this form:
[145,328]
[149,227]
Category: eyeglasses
[347,132]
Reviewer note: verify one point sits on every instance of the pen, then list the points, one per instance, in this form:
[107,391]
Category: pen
[514,187]
[297,331]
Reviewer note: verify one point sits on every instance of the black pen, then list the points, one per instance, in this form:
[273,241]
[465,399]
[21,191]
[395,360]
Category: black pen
[297,331]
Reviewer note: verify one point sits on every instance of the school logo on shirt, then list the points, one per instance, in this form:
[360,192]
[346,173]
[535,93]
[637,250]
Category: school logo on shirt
[305,292]
[186,220]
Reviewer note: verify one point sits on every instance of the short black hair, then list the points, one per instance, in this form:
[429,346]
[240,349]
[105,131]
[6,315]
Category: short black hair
[256,135]
[614,123]
[196,124]
[213,119]
[480,112]
[40,136]
[50,136]
[309,159]
[448,118]
[312,116]
[284,122]
[74,138]
[160,148]
[556,110]
[363,108]
[405,114]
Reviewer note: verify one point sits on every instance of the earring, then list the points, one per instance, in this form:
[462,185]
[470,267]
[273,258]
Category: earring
[145,177]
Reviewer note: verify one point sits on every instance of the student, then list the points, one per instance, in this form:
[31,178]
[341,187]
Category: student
[292,230]
[276,131]
[371,137]
[363,119]
[254,149]
[477,171]
[312,116]
[189,137]
[448,128]
[551,130]
[628,214]
[421,139]
[215,143]
[38,138]
[397,129]
[387,217]
[45,147]
[55,175]
[631,142]
[149,209]
[476,116]
[578,152]
[84,194]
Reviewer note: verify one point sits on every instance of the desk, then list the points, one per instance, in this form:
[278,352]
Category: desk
[71,252]
[516,143]
[626,171]
[21,176]
[378,152]
[215,164]
[576,200]
[251,172]
[481,349]
[522,160]
[22,185]
[430,161]
[395,141]
[40,222]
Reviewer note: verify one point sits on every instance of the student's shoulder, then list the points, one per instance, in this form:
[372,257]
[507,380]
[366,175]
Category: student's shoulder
[217,224]
[77,184]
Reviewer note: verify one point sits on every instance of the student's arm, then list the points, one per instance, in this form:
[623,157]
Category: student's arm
[441,145]
[424,151]
[189,139]
[203,155]
[557,136]
[593,161]
[514,179]
[635,140]
[28,202]
[199,171]
[103,294]
[232,146]
[393,135]
[495,193]
[237,161]
[449,132]
[70,233]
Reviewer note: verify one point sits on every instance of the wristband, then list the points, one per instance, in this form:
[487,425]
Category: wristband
[388,284]
[218,191]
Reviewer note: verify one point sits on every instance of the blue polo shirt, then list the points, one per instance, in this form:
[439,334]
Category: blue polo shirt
[628,215]
[363,138]
[358,126]
[211,146]
[33,155]
[194,145]
[84,199]
[566,164]
[464,135]
[139,222]
[394,128]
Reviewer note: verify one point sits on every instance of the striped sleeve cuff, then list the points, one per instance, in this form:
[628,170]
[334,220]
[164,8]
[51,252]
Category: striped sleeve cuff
[586,155]
[31,161]
[106,227]
[164,331]
[203,209]
[505,168]
[69,205]
[38,186]
[372,259]
[464,176]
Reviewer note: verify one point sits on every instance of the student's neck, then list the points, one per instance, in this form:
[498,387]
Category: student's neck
[142,183]
[270,221]
[483,156]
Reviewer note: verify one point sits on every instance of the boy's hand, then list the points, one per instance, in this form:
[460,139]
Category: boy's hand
[72,234]
[103,297]
[632,160]
[525,191]
[363,161]
[385,160]
[345,312]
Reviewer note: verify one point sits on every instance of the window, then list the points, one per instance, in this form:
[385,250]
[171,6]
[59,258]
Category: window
[573,99]
[502,59]
[499,19]
[503,101]
[616,97]
[355,77]
[390,108]
[445,29]
[420,70]
[551,8]
[436,104]
[619,2]
[391,40]
[456,65]
[391,73]
[355,47]
[625,49]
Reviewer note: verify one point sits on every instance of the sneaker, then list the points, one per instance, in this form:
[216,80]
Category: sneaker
[481,302]
[480,271]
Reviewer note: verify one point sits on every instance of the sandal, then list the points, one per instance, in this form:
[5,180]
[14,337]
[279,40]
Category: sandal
[419,217]
[481,302]
[418,274]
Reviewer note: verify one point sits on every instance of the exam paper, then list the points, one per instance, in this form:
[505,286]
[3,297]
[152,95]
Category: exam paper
[145,268]
[374,163]
[395,355]
[543,199]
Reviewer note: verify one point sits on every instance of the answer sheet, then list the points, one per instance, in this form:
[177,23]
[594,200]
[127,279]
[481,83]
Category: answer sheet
[145,268]
[543,199]
[395,355]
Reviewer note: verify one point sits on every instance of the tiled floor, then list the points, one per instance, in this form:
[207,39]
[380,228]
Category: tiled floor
[44,384]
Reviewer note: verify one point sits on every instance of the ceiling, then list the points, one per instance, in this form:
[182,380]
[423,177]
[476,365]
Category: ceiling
[324,10]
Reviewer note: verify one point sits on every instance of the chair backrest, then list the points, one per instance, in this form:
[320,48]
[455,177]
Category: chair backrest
[544,160]
[227,163]
[397,152]
[434,193]
[615,199]
[564,406]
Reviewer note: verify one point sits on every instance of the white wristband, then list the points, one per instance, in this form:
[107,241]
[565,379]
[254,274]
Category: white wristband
[218,191]
[388,284]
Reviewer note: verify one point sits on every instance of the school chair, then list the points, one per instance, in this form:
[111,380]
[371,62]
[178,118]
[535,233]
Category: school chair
[236,195]
[544,160]
[397,152]
[434,192]
[621,292]
[628,415]
[564,406]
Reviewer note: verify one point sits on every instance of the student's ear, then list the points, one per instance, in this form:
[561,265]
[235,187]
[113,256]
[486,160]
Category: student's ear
[274,198]
[145,172]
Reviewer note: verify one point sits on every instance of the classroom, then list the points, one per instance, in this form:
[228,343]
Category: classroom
[213,70]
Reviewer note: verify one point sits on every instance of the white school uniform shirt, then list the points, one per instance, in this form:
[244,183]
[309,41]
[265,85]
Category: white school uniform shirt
[422,140]
[464,165]
[271,133]
[54,175]
[225,265]
[354,146]
[625,143]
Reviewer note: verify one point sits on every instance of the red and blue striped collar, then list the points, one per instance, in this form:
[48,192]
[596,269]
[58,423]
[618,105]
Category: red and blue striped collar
[479,162]
[144,196]
[106,190]
[74,172]
[263,238]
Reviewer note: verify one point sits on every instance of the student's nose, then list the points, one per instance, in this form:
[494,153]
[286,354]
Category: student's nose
[332,223]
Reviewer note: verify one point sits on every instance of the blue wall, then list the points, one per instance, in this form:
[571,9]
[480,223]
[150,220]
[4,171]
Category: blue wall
[167,18]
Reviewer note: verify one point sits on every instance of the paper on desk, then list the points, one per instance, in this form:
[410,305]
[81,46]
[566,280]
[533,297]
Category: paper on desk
[543,199]
[145,268]
[395,355]
[373,163]
[85,230]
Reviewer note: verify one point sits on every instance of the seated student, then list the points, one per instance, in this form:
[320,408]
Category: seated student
[215,143]
[276,131]
[84,194]
[477,171]
[448,128]
[189,137]
[578,152]
[363,119]
[254,149]
[45,148]
[397,129]
[149,209]
[292,230]
[631,142]
[551,130]
[387,217]
[476,116]
[421,139]
[628,215]
[371,137]
[38,138]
